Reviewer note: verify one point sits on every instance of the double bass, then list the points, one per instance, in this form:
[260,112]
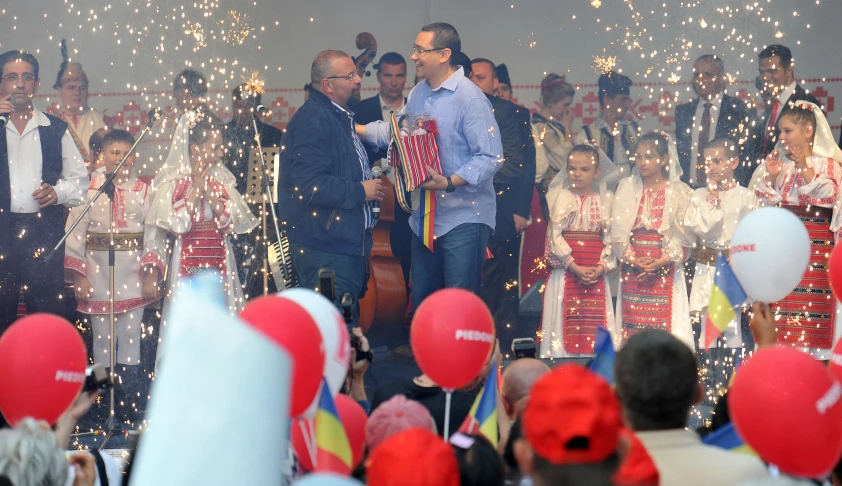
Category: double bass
[385,300]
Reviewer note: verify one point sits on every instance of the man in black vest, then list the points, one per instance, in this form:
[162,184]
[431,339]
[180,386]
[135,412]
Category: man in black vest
[41,173]
[711,115]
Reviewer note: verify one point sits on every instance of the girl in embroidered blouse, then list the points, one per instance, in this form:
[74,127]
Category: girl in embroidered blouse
[802,175]
[577,298]
[649,238]
[197,202]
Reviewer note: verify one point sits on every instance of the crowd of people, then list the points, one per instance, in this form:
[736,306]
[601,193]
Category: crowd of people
[620,227]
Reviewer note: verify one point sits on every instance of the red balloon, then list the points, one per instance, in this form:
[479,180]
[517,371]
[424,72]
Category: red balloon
[299,428]
[834,272]
[354,419]
[42,368]
[291,327]
[835,365]
[452,336]
[788,408]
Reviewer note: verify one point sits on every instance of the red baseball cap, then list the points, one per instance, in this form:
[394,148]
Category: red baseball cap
[573,417]
[414,457]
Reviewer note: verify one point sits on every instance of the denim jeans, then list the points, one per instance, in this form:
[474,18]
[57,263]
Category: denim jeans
[349,270]
[456,262]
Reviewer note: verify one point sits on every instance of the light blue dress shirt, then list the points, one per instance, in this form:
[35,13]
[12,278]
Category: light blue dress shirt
[469,145]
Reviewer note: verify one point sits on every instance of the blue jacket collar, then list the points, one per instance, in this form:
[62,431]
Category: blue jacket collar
[319,98]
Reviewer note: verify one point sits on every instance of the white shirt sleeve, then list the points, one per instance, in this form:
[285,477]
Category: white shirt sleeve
[71,188]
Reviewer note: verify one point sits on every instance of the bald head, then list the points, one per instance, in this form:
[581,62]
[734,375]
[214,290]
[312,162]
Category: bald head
[518,379]
[323,66]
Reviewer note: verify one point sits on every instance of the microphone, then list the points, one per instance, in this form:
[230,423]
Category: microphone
[152,116]
[376,171]
[261,110]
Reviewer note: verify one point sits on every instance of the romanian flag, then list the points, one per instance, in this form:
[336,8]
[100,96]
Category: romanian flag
[426,221]
[726,437]
[482,418]
[726,299]
[333,451]
[603,363]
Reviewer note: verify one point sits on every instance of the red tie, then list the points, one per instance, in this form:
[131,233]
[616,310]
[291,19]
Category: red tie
[704,139]
[770,129]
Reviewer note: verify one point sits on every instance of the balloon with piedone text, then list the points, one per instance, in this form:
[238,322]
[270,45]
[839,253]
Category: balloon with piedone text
[334,331]
[788,408]
[290,326]
[452,336]
[770,251]
[42,368]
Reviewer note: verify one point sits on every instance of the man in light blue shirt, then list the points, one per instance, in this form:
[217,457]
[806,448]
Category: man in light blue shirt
[471,152]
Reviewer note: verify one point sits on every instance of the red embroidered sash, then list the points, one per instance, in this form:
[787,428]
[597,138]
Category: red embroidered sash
[202,248]
[647,302]
[584,305]
[807,314]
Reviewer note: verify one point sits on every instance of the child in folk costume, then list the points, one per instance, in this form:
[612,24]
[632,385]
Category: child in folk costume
[552,129]
[137,270]
[713,215]
[649,238]
[577,298]
[197,202]
[802,175]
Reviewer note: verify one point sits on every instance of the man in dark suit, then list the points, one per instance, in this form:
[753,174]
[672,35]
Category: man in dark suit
[325,189]
[711,115]
[239,135]
[513,184]
[238,140]
[391,74]
[777,72]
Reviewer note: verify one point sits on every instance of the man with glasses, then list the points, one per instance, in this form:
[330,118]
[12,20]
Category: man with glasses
[470,151]
[41,172]
[326,194]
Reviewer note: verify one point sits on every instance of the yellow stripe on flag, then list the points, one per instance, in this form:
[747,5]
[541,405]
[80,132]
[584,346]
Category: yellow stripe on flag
[330,436]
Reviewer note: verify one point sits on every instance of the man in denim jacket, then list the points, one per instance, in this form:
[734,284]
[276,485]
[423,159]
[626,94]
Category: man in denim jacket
[327,199]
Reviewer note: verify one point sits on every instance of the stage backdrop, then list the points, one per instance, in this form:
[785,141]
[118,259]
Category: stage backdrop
[132,49]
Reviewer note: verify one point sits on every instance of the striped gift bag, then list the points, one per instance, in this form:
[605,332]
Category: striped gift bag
[412,154]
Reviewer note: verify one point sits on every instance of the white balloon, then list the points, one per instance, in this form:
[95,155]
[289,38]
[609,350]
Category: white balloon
[335,337]
[770,251]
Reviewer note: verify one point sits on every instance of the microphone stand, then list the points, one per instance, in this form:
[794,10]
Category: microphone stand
[267,194]
[112,426]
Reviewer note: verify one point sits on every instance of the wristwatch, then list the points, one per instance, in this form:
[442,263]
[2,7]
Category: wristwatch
[450,186]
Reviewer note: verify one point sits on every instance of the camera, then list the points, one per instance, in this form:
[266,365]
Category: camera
[96,378]
[524,348]
[327,287]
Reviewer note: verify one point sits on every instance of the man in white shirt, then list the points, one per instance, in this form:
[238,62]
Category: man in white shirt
[777,71]
[657,384]
[41,174]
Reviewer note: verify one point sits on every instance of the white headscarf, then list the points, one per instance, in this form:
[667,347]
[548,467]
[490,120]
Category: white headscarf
[823,142]
[629,192]
[178,165]
[560,206]
[675,171]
